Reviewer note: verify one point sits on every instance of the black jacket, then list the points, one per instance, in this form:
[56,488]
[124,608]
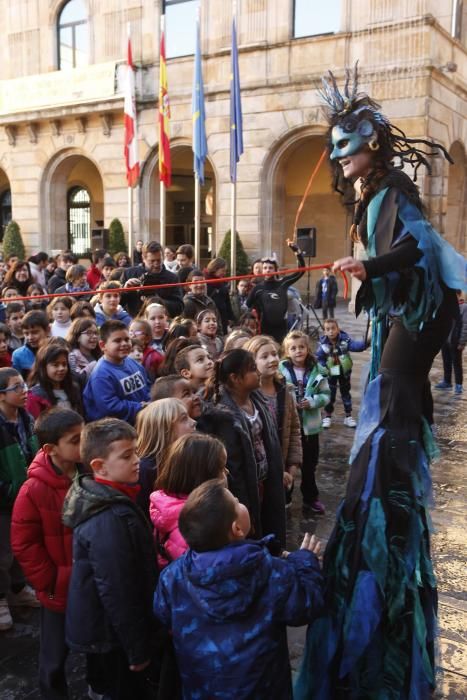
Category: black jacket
[227,422]
[270,300]
[172,297]
[219,293]
[114,572]
[57,280]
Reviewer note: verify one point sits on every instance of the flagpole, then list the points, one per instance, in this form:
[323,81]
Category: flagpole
[162,214]
[130,222]
[233,229]
[197,222]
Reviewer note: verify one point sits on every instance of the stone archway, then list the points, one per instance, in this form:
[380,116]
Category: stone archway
[456,213]
[180,200]
[286,175]
[67,170]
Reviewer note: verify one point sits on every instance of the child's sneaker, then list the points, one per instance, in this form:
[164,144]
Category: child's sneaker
[443,385]
[25,598]
[326,422]
[6,621]
[317,507]
[458,389]
[350,422]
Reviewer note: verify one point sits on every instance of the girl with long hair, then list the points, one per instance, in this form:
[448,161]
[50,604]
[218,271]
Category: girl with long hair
[158,425]
[51,382]
[190,461]
[240,418]
[83,339]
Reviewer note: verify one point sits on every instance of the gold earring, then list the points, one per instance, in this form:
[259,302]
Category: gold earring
[373,145]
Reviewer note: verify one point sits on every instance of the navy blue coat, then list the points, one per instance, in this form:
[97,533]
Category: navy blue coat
[114,573]
[228,610]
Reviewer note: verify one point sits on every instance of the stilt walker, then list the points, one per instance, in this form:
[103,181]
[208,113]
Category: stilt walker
[377,638]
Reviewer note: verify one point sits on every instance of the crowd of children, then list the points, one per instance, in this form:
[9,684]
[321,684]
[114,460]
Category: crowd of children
[166,441]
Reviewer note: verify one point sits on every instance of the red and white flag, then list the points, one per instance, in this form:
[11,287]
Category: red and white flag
[131,141]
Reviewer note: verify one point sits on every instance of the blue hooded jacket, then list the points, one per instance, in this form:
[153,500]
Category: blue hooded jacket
[228,610]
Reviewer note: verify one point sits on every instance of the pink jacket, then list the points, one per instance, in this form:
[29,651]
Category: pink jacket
[164,509]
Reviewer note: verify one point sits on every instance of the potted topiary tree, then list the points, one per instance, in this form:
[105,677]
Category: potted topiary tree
[13,242]
[243,261]
[117,242]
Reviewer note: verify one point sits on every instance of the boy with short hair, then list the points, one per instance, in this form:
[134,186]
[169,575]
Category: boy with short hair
[36,330]
[196,299]
[14,318]
[333,352]
[40,541]
[118,385]
[114,564]
[108,307]
[194,363]
[173,386]
[18,445]
[227,601]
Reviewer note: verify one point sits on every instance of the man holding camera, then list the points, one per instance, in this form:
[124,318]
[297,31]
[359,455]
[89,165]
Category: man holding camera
[150,272]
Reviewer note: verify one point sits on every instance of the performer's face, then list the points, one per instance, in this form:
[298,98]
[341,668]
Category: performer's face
[358,165]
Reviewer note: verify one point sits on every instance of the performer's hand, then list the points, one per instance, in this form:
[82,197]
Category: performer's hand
[355,267]
[287,480]
[311,543]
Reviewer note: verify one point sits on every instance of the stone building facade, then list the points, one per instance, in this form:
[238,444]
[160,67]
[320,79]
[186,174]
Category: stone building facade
[61,114]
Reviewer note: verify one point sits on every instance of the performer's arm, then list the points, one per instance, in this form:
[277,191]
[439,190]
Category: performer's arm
[401,257]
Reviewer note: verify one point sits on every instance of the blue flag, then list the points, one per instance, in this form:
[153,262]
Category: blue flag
[236,126]
[200,146]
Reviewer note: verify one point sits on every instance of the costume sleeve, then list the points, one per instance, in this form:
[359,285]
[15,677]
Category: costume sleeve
[298,583]
[403,256]
[251,299]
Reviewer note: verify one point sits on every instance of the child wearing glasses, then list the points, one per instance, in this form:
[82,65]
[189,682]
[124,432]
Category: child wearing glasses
[18,447]
[83,339]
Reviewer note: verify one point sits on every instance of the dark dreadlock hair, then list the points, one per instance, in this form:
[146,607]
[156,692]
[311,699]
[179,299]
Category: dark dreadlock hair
[349,107]
[392,149]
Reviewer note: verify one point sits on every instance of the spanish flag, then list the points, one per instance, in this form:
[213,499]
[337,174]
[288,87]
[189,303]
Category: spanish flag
[165,168]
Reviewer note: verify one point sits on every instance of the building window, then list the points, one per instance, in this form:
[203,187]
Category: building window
[5,211]
[73,35]
[312,17]
[79,220]
[180,27]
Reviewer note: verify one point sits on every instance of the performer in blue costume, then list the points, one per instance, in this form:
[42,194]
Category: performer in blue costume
[377,638]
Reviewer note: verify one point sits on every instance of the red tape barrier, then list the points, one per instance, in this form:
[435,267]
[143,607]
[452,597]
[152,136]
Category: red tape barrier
[215,280]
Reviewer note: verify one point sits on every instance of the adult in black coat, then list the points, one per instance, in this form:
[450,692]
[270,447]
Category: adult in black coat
[226,421]
[219,291]
[152,271]
[269,297]
[58,279]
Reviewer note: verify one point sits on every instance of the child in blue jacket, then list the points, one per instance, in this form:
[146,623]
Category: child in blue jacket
[228,600]
[118,386]
[333,353]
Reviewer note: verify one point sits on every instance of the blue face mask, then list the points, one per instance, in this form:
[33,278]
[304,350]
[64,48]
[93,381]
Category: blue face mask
[346,143]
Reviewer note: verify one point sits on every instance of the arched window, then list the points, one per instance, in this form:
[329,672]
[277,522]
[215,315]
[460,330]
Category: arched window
[73,35]
[79,220]
[5,211]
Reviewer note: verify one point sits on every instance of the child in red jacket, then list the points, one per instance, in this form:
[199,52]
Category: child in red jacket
[42,544]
